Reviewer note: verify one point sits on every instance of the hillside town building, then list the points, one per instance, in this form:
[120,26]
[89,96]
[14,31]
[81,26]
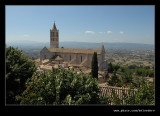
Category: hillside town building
[71,56]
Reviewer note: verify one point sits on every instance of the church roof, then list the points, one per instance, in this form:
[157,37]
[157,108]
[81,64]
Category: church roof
[72,50]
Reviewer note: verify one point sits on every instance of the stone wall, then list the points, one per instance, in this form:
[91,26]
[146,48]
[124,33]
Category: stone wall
[45,54]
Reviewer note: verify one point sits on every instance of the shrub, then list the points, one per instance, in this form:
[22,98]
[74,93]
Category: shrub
[127,78]
[60,86]
[18,69]
[110,68]
[114,81]
[143,96]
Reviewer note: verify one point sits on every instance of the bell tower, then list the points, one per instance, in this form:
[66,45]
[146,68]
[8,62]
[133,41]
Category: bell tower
[54,37]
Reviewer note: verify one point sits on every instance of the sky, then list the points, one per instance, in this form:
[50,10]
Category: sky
[81,23]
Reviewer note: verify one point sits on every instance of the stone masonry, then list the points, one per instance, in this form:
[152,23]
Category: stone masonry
[78,57]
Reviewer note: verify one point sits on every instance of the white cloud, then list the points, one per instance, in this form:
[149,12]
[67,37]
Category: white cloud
[109,32]
[89,32]
[121,32]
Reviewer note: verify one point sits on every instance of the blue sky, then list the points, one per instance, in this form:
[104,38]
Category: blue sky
[99,23]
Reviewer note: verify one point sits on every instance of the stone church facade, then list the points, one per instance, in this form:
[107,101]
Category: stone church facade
[75,57]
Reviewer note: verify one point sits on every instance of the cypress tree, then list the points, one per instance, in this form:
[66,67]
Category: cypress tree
[94,66]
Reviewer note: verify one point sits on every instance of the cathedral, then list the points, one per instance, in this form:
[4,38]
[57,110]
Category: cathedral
[71,56]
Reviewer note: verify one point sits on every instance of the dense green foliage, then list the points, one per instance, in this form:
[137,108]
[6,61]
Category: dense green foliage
[128,75]
[144,72]
[114,81]
[133,66]
[18,69]
[133,77]
[144,95]
[123,69]
[115,67]
[94,66]
[137,70]
[60,86]
[110,67]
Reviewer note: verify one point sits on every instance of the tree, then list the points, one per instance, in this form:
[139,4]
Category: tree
[151,73]
[133,66]
[115,67]
[127,78]
[123,69]
[94,66]
[60,86]
[110,68]
[143,95]
[114,81]
[147,67]
[144,72]
[18,69]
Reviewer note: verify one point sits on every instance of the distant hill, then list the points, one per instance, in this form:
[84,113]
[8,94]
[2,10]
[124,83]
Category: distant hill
[87,45]
[28,44]
[84,45]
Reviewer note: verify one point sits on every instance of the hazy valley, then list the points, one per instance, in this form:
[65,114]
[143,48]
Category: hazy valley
[118,53]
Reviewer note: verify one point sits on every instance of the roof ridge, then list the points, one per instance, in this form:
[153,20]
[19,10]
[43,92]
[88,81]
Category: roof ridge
[73,50]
